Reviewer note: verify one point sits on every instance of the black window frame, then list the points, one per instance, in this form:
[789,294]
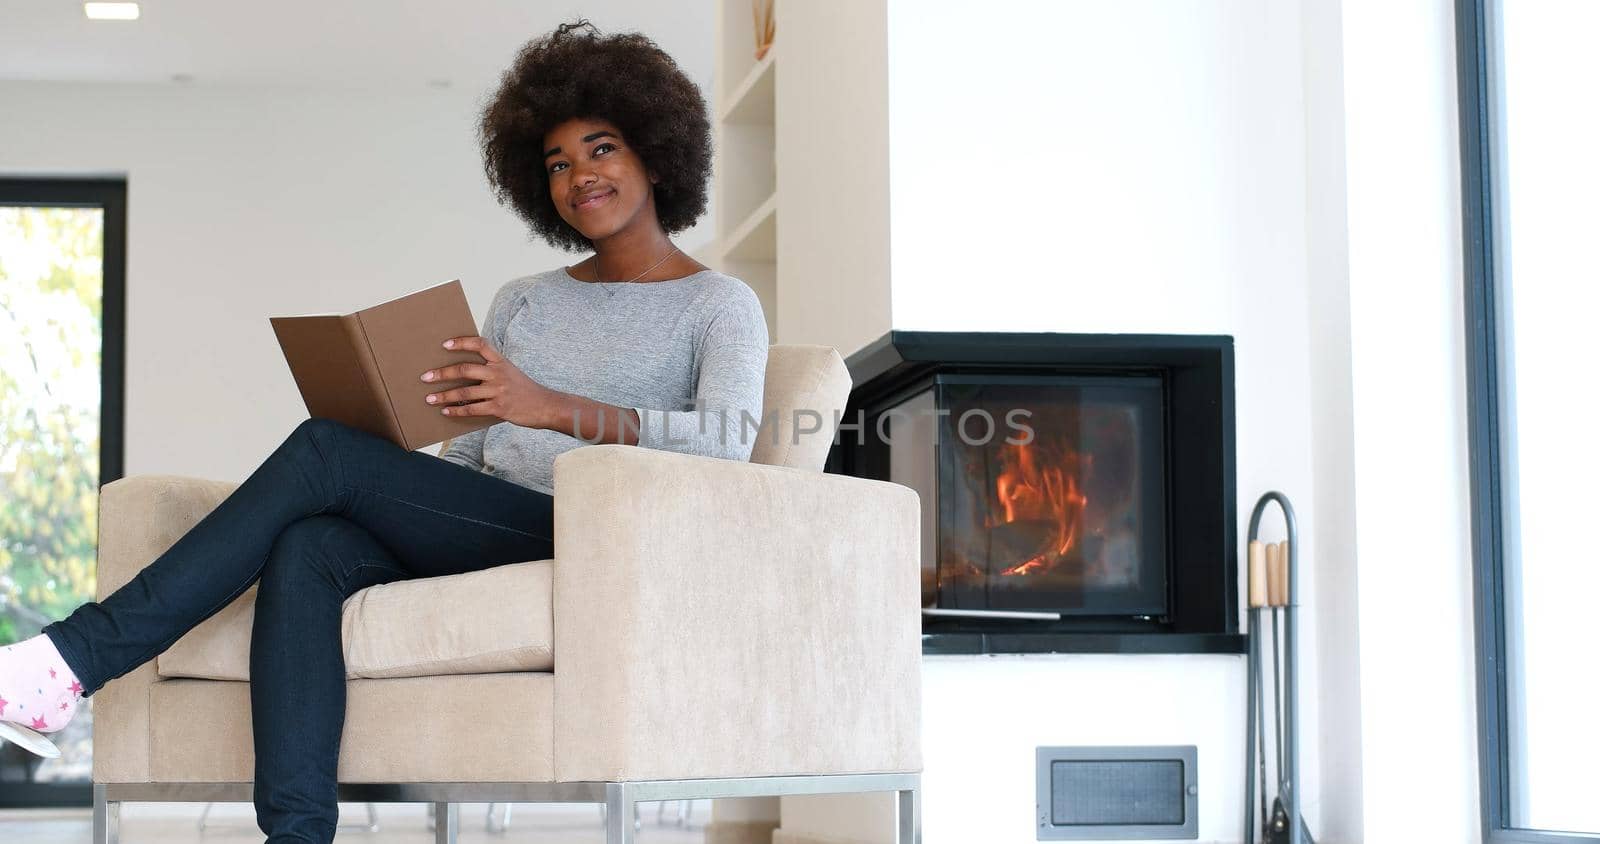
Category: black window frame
[110,194]
[1478,94]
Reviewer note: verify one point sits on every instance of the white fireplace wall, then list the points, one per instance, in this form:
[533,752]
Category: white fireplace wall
[1116,167]
[1286,174]
[1104,167]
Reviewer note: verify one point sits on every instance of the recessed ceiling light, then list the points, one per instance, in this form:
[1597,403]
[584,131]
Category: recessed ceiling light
[111,11]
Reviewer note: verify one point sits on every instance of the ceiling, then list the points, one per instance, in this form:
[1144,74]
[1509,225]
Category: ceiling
[333,44]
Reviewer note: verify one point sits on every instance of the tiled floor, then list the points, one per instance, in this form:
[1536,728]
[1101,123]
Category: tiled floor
[398,823]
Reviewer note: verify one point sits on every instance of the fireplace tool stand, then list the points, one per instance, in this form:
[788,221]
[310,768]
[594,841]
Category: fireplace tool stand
[1273,590]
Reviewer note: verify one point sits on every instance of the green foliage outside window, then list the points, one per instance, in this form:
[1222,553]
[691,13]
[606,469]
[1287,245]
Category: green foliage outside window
[50,300]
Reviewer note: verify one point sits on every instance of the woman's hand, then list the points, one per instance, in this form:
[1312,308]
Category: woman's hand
[506,392]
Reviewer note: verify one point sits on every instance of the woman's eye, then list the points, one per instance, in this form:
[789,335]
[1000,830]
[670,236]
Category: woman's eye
[596,152]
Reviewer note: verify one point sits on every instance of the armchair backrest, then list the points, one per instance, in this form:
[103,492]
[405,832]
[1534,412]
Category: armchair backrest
[804,382]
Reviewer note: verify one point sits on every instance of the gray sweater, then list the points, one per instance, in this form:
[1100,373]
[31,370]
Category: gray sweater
[661,348]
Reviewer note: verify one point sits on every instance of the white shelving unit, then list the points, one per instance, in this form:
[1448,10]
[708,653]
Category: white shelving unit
[745,161]
[813,134]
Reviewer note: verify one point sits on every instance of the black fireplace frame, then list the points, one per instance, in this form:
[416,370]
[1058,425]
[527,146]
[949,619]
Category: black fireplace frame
[1198,374]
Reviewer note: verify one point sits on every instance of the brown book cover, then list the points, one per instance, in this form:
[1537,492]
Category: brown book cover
[365,369]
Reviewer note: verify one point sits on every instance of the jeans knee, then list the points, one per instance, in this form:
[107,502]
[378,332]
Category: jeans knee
[315,450]
[308,547]
[317,430]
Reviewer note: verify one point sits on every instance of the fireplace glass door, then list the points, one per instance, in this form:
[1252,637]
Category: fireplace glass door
[1039,492]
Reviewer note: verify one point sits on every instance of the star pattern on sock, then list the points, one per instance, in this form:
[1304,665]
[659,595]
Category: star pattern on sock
[56,690]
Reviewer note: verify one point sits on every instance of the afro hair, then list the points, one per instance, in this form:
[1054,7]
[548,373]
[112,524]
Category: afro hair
[622,78]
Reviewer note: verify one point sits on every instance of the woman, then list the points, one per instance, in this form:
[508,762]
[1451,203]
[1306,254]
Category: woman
[596,142]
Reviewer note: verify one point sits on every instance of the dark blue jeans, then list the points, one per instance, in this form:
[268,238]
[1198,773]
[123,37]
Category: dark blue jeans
[333,510]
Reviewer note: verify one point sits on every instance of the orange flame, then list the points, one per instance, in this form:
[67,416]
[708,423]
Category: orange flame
[1027,490]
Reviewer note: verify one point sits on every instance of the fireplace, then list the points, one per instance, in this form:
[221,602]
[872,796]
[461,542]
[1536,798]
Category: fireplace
[1077,490]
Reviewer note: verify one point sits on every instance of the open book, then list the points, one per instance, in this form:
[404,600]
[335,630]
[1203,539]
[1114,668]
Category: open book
[365,369]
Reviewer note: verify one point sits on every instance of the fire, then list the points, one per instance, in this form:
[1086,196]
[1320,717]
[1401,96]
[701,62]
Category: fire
[1026,490]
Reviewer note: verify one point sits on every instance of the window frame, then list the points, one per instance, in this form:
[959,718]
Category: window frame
[110,194]
[1478,97]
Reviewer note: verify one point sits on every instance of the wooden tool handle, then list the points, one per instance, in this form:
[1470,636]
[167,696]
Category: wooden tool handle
[1283,573]
[1274,574]
[1257,573]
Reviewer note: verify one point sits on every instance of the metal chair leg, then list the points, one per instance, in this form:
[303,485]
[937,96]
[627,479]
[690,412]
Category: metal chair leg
[909,816]
[621,813]
[446,822]
[107,817]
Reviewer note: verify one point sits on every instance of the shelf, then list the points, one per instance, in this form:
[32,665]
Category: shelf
[755,239]
[751,101]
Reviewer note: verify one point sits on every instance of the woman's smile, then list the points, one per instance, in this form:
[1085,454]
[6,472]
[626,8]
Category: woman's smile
[595,201]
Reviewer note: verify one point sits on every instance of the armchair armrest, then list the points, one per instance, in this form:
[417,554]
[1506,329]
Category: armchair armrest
[140,518]
[719,619]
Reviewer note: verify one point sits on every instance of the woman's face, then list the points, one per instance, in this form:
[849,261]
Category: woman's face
[589,162]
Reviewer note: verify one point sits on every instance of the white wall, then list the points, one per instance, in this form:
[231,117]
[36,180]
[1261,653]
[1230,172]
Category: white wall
[1414,573]
[1109,167]
[1286,174]
[245,203]
[1333,439]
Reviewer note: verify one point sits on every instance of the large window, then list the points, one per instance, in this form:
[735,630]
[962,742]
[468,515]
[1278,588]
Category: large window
[1531,187]
[61,321]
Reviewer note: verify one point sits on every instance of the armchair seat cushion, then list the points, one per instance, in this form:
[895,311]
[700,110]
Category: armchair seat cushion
[493,620]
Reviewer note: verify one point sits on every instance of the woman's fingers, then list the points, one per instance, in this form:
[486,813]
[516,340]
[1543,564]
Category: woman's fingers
[459,394]
[474,344]
[477,408]
[473,371]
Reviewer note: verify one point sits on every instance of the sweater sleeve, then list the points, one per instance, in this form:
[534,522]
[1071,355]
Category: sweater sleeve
[467,449]
[733,367]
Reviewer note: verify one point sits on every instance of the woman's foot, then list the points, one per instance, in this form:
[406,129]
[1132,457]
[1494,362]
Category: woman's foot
[38,694]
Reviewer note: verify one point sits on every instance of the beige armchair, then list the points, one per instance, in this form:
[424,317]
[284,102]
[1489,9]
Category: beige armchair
[707,629]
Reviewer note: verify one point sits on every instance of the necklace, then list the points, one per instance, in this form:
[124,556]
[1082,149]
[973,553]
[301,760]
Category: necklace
[635,278]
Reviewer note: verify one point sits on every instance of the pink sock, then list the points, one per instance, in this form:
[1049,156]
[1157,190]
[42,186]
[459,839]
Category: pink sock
[37,689]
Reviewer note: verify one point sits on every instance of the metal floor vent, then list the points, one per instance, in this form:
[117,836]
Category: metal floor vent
[1117,792]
